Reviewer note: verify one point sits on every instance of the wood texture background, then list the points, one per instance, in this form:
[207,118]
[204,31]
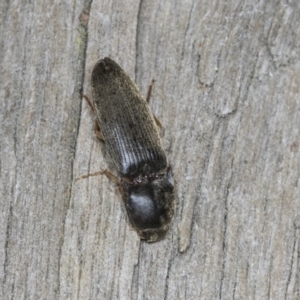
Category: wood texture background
[228,94]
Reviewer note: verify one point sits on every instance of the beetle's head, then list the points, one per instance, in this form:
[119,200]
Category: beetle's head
[150,206]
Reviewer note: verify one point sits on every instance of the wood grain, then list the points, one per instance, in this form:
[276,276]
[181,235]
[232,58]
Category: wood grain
[227,92]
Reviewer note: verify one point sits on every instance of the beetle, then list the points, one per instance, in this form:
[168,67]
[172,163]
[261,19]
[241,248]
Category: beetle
[130,132]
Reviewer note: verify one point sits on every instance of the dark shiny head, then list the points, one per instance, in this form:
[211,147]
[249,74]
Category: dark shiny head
[150,206]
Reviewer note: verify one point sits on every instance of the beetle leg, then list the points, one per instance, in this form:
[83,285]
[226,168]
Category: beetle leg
[109,175]
[105,172]
[98,131]
[89,103]
[150,91]
[157,122]
[115,179]
[148,100]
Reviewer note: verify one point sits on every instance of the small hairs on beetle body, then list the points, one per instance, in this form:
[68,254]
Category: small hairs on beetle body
[132,140]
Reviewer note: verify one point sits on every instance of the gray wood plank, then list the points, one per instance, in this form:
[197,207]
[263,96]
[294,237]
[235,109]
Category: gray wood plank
[42,65]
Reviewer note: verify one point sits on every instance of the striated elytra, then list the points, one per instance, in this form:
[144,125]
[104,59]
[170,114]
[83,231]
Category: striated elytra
[132,139]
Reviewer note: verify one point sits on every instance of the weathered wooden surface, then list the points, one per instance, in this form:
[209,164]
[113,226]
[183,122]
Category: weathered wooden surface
[228,94]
